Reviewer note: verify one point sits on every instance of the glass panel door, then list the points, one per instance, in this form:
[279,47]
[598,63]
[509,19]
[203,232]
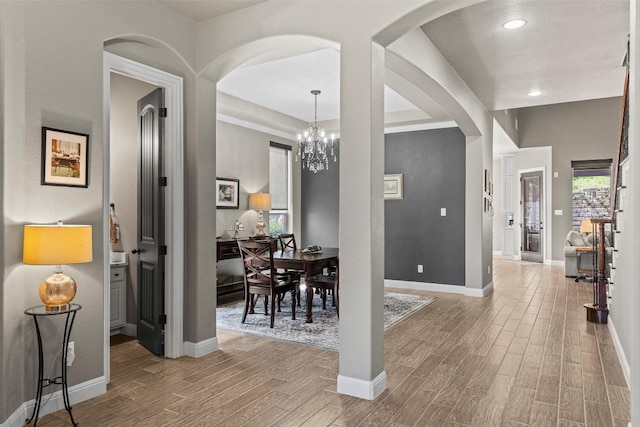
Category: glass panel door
[532,229]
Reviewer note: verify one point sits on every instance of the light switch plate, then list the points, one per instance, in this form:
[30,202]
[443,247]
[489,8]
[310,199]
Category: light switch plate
[443,211]
[557,212]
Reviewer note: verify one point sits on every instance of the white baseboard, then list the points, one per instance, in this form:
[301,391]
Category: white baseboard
[363,389]
[54,402]
[437,287]
[556,262]
[201,348]
[130,330]
[497,253]
[622,358]
[471,292]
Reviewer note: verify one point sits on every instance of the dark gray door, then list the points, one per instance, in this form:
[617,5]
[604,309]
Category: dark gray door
[151,243]
[532,226]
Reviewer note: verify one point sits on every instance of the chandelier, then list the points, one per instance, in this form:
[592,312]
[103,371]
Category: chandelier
[313,144]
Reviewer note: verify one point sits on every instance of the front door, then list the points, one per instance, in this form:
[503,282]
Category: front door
[151,243]
[532,227]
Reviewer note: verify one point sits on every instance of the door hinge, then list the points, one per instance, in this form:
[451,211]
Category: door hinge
[163,319]
[163,112]
[163,181]
[162,250]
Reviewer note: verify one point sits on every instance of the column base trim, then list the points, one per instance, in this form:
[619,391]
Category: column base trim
[201,348]
[362,389]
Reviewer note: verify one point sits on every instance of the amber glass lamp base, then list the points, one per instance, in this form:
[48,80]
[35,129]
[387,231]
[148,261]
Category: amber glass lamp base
[57,291]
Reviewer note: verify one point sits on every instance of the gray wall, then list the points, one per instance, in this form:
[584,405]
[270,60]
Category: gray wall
[433,164]
[55,79]
[320,200]
[577,131]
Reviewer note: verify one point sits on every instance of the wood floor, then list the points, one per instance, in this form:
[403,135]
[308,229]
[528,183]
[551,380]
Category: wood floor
[525,355]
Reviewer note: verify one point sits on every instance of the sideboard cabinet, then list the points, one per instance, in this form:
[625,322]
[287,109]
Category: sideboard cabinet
[230,280]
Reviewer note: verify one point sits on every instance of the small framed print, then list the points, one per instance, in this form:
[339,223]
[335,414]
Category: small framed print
[393,187]
[228,190]
[65,157]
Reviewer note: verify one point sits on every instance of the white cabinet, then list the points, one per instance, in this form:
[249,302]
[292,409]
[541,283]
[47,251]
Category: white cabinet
[118,296]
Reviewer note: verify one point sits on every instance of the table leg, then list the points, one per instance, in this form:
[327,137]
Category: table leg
[309,296]
[36,405]
[65,344]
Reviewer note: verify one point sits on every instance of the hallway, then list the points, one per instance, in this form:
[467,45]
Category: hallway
[524,355]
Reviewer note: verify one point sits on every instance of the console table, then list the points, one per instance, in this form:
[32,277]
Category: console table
[230,280]
[41,311]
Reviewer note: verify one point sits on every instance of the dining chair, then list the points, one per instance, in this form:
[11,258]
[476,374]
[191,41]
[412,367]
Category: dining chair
[261,278]
[326,283]
[288,243]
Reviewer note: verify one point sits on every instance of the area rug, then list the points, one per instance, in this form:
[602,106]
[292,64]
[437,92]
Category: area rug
[323,332]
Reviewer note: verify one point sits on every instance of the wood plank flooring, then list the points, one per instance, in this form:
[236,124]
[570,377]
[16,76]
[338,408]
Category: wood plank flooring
[524,355]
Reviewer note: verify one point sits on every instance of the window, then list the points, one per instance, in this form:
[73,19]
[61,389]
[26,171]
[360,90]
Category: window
[591,190]
[280,188]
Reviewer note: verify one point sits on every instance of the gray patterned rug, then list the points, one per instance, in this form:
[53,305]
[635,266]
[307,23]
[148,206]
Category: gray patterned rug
[323,332]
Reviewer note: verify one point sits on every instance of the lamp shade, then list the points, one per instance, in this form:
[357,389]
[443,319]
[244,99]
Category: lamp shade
[260,201]
[57,244]
[585,226]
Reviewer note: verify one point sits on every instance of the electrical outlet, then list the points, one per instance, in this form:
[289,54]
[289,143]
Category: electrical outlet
[71,353]
[420,268]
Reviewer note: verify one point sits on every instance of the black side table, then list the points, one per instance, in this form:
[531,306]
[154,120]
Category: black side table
[41,311]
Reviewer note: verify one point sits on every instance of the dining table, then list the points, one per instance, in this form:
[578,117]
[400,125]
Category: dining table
[311,263]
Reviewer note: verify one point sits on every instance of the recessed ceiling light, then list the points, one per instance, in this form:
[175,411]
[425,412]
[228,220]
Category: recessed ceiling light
[535,92]
[514,23]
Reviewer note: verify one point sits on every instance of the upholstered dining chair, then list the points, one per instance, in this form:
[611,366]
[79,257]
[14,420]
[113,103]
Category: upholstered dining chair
[261,278]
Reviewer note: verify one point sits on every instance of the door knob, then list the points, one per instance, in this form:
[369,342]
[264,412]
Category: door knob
[136,251]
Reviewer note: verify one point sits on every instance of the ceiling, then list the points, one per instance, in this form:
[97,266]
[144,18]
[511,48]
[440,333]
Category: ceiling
[570,50]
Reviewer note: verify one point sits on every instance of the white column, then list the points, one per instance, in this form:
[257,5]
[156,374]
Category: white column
[361,220]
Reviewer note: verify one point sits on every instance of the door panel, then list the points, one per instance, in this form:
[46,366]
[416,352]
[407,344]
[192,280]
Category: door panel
[532,225]
[151,223]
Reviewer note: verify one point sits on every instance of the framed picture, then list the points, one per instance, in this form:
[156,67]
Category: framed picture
[65,157]
[393,187]
[228,190]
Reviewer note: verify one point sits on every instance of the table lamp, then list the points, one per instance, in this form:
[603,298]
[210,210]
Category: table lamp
[56,245]
[585,226]
[260,202]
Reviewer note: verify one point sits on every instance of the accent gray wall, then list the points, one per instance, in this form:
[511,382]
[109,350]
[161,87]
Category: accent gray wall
[320,200]
[433,164]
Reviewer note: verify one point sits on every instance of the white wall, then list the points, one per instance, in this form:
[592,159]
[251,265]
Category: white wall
[243,154]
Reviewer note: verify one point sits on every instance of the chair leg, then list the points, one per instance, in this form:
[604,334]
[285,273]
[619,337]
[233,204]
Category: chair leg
[246,307]
[293,304]
[266,305]
[323,293]
[273,309]
[252,304]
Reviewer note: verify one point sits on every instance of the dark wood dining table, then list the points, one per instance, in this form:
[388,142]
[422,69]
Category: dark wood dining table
[311,264]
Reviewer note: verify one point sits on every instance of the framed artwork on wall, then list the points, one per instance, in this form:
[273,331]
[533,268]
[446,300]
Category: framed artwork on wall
[64,158]
[393,187]
[228,190]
